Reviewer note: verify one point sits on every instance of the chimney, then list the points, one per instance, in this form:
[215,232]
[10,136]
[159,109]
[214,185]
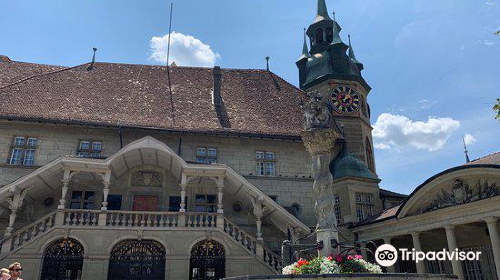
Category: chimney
[216,96]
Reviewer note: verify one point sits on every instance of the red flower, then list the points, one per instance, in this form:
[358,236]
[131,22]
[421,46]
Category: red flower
[350,257]
[358,257]
[302,262]
[339,258]
[330,258]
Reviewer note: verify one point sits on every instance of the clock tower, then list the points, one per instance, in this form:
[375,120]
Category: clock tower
[328,65]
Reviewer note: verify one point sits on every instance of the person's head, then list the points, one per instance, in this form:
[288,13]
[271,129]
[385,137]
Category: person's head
[15,270]
[4,274]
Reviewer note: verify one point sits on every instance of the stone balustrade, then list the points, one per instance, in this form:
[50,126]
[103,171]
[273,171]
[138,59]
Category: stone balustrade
[78,218]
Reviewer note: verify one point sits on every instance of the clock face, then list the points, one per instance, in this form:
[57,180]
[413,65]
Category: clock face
[345,99]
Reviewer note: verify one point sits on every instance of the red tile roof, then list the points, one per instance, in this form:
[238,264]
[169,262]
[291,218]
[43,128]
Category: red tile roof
[489,159]
[255,101]
[14,71]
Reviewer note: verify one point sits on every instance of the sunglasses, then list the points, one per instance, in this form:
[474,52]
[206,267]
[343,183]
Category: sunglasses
[18,269]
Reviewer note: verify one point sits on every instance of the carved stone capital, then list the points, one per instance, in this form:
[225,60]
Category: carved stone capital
[320,141]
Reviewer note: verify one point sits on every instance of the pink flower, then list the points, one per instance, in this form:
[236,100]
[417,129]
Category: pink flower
[350,257]
[339,258]
[330,258]
[358,257]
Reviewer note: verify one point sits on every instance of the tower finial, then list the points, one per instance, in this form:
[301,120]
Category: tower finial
[335,33]
[467,159]
[322,11]
[267,63]
[91,66]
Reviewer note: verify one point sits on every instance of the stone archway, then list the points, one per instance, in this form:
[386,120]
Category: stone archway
[63,260]
[137,260]
[208,261]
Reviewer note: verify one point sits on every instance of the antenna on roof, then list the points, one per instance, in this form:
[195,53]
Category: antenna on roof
[172,114]
[91,66]
[467,160]
[267,63]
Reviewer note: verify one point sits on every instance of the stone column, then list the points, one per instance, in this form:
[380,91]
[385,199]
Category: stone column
[452,245]
[64,192]
[220,188]
[495,242]
[320,143]
[105,193]
[183,198]
[15,202]
[258,211]
[418,247]
[392,268]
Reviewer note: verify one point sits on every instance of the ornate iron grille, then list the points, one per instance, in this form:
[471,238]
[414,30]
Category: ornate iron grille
[63,260]
[208,261]
[137,260]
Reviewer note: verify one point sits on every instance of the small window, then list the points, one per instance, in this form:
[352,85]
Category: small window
[212,152]
[201,152]
[369,198]
[29,157]
[90,149]
[259,155]
[269,156]
[338,215]
[265,165]
[82,200]
[205,203]
[296,209]
[337,199]
[23,151]
[174,203]
[84,145]
[206,155]
[16,156]
[359,212]
[19,141]
[319,35]
[96,146]
[370,210]
[329,34]
[270,169]
[32,142]
[359,197]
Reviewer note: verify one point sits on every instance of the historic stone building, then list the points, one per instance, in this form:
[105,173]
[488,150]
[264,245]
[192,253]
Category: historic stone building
[119,171]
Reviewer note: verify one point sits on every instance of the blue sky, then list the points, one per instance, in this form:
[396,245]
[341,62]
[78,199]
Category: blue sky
[434,66]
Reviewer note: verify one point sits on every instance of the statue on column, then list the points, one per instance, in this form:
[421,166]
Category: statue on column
[319,137]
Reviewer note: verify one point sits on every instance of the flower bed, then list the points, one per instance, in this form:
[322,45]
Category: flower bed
[330,264]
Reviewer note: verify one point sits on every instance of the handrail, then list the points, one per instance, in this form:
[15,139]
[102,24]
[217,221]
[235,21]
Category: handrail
[32,230]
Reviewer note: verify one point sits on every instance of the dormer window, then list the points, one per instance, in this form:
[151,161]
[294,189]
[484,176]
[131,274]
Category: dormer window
[319,36]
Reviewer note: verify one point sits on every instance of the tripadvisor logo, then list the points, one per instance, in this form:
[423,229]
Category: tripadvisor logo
[387,255]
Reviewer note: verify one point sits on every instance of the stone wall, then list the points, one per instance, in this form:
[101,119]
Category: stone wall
[357,276]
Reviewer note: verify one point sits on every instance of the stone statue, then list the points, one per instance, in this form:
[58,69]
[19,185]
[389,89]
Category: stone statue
[319,136]
[317,111]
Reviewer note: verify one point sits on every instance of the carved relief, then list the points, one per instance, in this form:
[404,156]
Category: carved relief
[462,193]
[146,178]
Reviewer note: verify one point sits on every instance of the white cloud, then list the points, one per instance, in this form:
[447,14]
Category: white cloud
[185,50]
[486,42]
[396,132]
[426,104]
[469,139]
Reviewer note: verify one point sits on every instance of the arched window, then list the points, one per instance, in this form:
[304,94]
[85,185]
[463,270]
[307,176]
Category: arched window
[329,35]
[319,36]
[63,259]
[208,261]
[137,259]
[369,155]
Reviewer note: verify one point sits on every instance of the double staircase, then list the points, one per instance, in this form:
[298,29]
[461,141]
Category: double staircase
[68,218]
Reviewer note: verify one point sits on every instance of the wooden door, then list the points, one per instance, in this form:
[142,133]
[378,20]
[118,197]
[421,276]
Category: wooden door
[145,203]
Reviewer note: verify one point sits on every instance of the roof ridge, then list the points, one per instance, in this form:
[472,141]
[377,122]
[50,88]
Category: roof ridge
[484,156]
[39,75]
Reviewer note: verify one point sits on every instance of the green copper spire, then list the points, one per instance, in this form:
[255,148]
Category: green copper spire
[335,32]
[305,51]
[322,12]
[352,56]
